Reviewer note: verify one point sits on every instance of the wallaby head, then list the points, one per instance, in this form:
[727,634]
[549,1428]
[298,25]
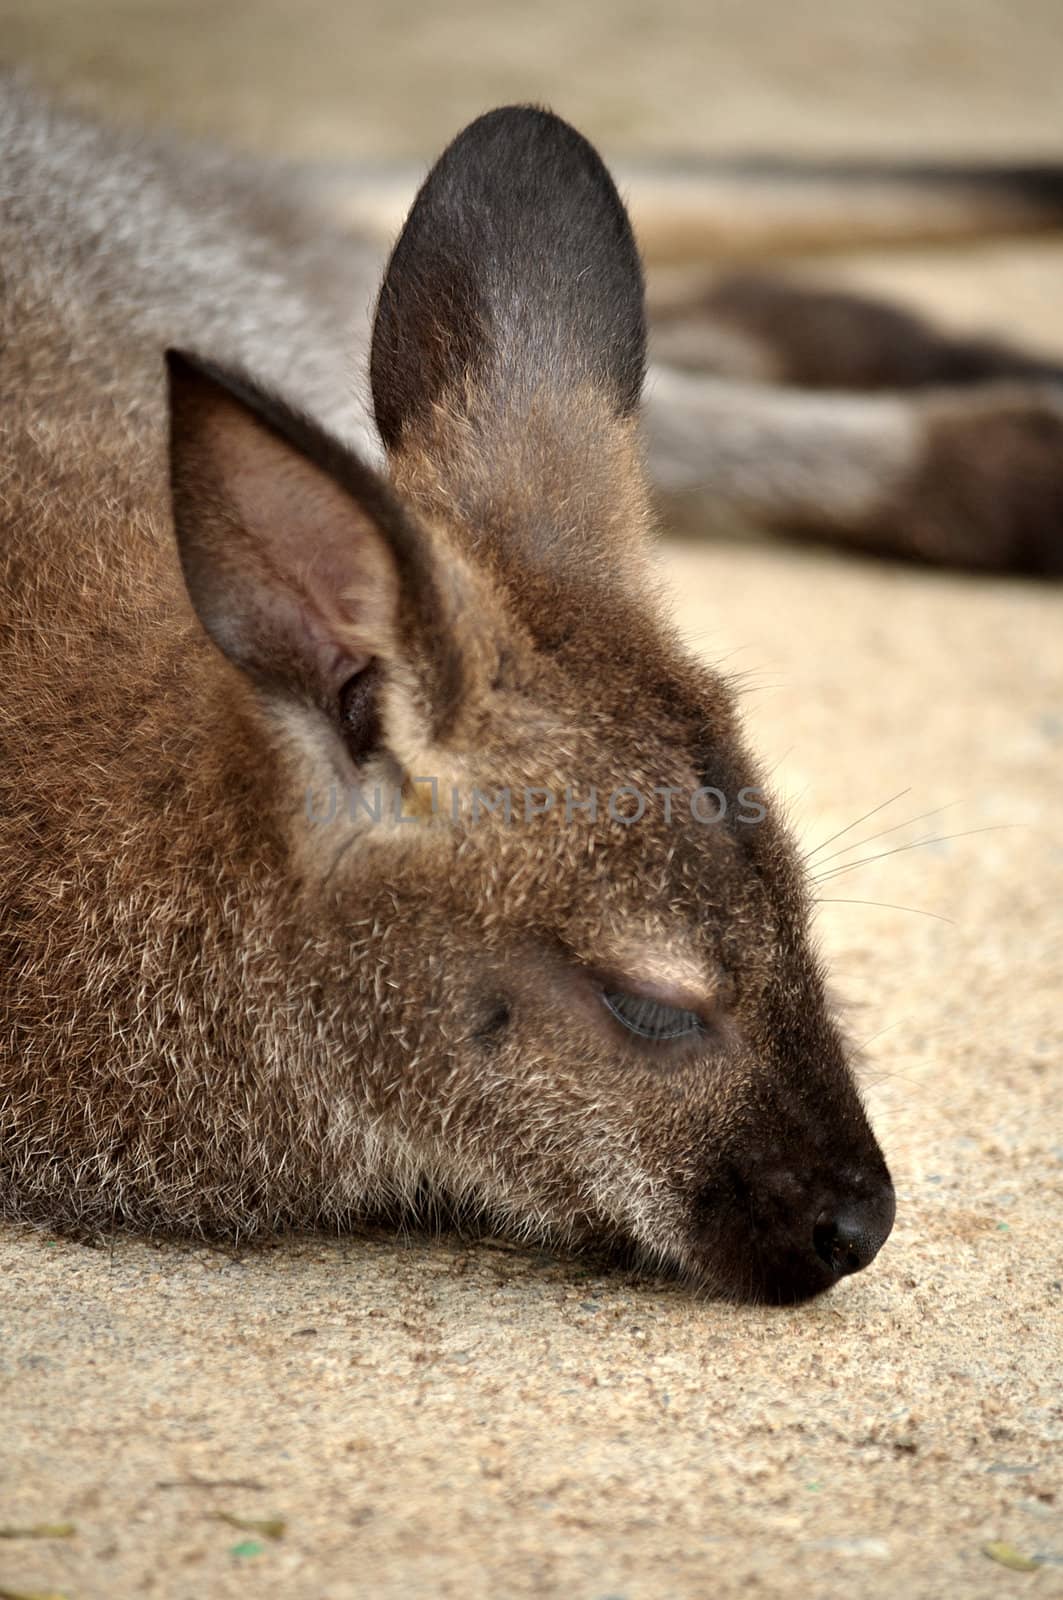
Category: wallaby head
[554,935]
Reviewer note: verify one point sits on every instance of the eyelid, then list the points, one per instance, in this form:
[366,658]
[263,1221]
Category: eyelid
[703,1003]
[650,1019]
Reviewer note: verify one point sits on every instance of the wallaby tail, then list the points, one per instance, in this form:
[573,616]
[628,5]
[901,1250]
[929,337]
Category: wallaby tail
[736,210]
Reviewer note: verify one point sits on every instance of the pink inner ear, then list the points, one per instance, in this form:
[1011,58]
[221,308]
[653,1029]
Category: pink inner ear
[308,587]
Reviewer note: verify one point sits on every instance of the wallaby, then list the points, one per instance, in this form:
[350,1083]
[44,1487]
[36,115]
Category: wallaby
[329,878]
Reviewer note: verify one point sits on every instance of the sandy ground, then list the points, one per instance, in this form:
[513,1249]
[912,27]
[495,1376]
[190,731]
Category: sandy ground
[418,1417]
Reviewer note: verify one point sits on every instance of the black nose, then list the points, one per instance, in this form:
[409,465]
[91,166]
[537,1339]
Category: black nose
[787,1238]
[848,1236]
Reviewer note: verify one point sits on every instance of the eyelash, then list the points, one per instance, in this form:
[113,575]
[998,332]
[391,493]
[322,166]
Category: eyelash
[650,1019]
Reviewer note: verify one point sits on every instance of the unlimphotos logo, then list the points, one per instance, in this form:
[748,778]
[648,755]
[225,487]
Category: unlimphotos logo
[627,805]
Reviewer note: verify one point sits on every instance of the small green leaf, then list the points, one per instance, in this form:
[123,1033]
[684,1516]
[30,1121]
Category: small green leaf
[1007,1556]
[246,1549]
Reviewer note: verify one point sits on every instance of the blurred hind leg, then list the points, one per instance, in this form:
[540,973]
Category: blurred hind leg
[775,329]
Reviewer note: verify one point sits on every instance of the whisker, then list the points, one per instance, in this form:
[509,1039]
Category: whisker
[886,905]
[862,1044]
[773,769]
[933,838]
[877,1074]
[851,825]
[847,866]
[871,837]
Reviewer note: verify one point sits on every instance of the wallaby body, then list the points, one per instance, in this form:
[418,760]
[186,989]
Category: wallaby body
[226,1006]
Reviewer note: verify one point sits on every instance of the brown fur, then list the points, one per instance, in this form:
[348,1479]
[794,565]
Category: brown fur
[219,1016]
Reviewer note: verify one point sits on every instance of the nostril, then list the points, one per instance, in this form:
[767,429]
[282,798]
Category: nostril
[837,1243]
[848,1238]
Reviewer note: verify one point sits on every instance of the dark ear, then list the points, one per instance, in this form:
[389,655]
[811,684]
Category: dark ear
[517,270]
[301,564]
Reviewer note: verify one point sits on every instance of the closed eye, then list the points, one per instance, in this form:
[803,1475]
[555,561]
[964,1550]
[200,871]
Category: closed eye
[651,1019]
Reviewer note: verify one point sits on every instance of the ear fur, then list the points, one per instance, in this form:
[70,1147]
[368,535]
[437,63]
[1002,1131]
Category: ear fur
[516,272]
[302,564]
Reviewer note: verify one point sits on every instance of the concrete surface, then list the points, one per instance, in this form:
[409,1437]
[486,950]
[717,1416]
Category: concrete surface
[431,1418]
